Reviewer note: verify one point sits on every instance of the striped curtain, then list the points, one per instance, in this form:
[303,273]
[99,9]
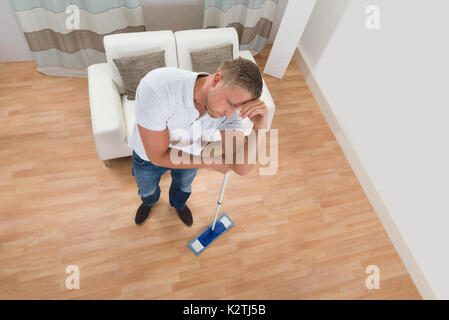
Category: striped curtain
[66,36]
[251,18]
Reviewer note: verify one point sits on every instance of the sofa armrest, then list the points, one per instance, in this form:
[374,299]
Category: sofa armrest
[266,96]
[108,125]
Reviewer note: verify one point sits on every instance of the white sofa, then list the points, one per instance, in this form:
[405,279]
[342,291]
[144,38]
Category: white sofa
[112,114]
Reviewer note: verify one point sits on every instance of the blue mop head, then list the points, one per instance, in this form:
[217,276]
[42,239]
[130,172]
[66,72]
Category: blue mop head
[200,243]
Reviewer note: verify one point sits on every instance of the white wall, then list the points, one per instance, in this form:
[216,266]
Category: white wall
[13,45]
[389,92]
[159,15]
[173,14]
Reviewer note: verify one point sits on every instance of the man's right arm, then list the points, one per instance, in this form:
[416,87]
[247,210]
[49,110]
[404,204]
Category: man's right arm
[156,144]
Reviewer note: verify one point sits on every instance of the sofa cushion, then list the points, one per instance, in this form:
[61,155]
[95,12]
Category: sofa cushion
[120,45]
[208,60]
[188,41]
[129,113]
[133,69]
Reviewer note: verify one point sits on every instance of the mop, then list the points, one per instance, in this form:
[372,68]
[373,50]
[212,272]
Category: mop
[201,242]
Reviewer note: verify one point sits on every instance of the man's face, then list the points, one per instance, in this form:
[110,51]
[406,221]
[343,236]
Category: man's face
[223,101]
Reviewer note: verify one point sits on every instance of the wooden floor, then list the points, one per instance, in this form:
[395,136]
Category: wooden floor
[307,232]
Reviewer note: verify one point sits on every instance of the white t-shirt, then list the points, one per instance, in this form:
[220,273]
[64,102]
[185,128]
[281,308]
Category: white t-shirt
[164,98]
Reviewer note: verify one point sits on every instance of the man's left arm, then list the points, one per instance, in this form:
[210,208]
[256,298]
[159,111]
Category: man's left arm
[258,114]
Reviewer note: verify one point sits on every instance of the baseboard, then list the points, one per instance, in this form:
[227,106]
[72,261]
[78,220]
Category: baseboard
[372,194]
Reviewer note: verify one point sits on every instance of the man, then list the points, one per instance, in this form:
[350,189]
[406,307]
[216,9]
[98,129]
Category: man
[168,99]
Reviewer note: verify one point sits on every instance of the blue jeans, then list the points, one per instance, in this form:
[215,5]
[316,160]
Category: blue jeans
[148,175]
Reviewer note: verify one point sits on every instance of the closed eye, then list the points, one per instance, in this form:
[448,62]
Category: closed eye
[232,104]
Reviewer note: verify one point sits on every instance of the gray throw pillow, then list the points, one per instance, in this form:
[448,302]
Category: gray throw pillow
[208,60]
[133,69]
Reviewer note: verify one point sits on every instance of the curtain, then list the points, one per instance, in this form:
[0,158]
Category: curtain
[66,36]
[251,18]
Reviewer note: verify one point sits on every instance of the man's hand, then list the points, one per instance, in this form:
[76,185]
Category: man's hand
[257,112]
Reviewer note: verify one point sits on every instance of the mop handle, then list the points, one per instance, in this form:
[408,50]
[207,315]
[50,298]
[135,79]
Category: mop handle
[223,186]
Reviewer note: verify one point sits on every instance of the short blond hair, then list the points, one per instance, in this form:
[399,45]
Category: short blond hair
[242,73]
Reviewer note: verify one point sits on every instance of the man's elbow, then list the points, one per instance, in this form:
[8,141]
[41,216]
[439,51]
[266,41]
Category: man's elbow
[242,170]
[157,161]
[243,174]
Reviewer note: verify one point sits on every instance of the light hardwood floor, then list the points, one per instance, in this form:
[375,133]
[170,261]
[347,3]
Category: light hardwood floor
[307,232]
